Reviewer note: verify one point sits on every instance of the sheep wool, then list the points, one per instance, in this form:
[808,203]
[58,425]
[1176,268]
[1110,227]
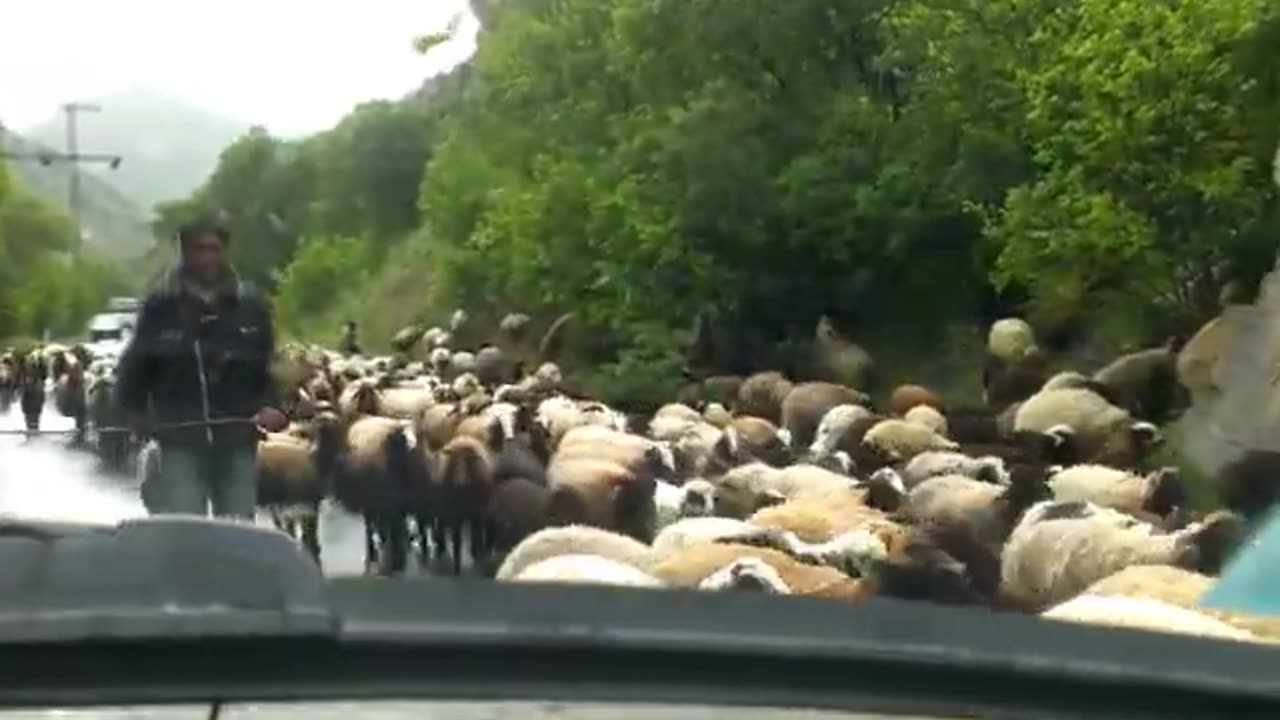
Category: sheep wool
[575,540]
[1010,339]
[580,569]
[697,562]
[746,574]
[1144,614]
[834,426]
[987,468]
[927,416]
[900,440]
[1118,489]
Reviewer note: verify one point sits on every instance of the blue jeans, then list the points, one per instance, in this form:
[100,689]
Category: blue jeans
[189,480]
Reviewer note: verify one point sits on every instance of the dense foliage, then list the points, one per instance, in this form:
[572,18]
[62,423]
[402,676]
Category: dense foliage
[919,162]
[40,289]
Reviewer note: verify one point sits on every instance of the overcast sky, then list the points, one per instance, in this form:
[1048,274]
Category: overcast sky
[293,65]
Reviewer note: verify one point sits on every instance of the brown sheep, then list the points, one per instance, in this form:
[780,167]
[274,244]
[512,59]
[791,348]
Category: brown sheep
[603,493]
[439,423]
[762,395]
[807,403]
[1145,382]
[294,476]
[689,567]
[905,397]
[758,439]
[464,491]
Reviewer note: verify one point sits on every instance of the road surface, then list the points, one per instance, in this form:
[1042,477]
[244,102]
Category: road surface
[41,478]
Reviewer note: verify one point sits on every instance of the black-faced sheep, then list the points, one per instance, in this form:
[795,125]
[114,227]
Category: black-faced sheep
[380,471]
[807,403]
[695,498]
[295,475]
[987,468]
[988,511]
[1145,382]
[1059,549]
[1100,432]
[1158,493]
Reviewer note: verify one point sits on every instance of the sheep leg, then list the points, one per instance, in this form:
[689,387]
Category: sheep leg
[310,532]
[425,530]
[395,531]
[439,538]
[371,555]
[481,537]
[455,538]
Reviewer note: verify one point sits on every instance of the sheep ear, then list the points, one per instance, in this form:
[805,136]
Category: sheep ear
[1147,434]
[769,498]
[784,436]
[727,446]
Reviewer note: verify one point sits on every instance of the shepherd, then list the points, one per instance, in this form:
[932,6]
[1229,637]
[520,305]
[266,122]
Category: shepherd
[195,378]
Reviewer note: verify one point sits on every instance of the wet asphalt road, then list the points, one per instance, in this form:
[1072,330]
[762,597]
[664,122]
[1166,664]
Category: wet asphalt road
[41,477]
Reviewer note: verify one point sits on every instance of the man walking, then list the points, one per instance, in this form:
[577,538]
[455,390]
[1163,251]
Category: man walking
[195,377]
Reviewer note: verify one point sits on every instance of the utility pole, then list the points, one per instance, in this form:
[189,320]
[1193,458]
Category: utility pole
[73,157]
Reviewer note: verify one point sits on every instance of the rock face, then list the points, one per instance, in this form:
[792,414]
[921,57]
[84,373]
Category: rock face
[1244,413]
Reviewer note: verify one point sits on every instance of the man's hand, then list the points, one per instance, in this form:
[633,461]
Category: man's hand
[271,419]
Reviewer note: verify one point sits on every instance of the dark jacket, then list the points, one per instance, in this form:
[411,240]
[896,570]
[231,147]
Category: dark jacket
[190,360]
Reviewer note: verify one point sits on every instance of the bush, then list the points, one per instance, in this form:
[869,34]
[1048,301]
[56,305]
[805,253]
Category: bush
[312,282]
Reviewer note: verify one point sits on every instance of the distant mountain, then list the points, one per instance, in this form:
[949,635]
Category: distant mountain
[118,228]
[169,146]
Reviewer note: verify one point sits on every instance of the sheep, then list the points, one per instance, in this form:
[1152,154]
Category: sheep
[746,573]
[586,569]
[899,440]
[807,403]
[493,366]
[294,476]
[753,438]
[905,397]
[464,492]
[673,420]
[575,539]
[695,563]
[717,414]
[1100,432]
[1182,588]
[462,363]
[379,473]
[558,415]
[69,394]
[633,452]
[1145,382]
[987,468]
[601,492]
[517,509]
[988,511]
[839,360]
[1060,548]
[404,403]
[929,417]
[763,394]
[359,398]
[1014,367]
[107,418]
[34,372]
[691,531]
[1158,493]
[1144,614]
[747,488]
[841,428]
[695,498]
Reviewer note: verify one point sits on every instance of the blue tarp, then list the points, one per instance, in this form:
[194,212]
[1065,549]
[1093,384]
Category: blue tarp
[1251,582]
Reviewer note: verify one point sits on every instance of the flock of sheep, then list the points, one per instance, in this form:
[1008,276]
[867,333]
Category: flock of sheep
[1042,501]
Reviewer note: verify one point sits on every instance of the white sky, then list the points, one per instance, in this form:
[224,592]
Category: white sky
[293,65]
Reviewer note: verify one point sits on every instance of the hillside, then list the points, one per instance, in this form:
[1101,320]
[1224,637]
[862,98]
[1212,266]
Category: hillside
[169,146]
[118,227]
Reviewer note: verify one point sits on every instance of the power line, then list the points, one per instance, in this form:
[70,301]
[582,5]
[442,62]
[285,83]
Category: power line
[72,157]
